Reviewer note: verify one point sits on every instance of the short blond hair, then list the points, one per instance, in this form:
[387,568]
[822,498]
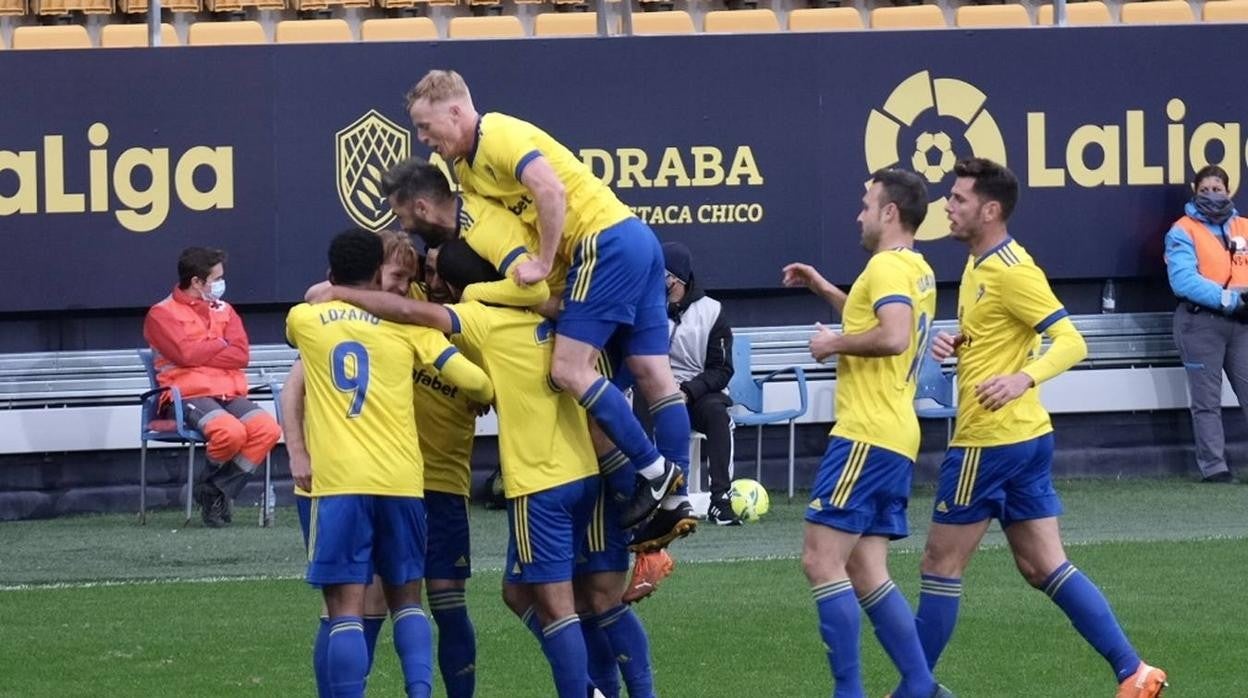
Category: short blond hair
[438,86]
[398,250]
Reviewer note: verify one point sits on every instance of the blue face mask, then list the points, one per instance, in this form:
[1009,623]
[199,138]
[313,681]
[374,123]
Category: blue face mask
[215,290]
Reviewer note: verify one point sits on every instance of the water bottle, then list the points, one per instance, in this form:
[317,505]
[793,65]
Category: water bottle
[1109,297]
[271,497]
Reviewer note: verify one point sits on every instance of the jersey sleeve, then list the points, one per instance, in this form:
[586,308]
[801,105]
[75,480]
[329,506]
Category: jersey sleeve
[434,349]
[498,241]
[508,147]
[890,280]
[470,322]
[1026,294]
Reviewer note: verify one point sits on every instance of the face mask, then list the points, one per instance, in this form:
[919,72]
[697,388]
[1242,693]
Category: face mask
[1217,208]
[215,290]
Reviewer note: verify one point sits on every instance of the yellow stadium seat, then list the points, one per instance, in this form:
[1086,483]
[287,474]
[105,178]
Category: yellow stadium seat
[911,17]
[240,5]
[52,36]
[1226,11]
[225,33]
[1159,12]
[136,7]
[61,7]
[1078,14]
[135,36]
[741,21]
[822,19]
[566,24]
[12,7]
[496,27]
[673,22]
[398,29]
[313,31]
[992,16]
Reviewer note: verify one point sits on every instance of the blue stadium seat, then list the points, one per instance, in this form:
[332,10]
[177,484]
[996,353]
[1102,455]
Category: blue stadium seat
[747,392]
[936,386]
[153,428]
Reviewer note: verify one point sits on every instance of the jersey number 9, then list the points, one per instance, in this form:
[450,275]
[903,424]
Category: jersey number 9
[354,382]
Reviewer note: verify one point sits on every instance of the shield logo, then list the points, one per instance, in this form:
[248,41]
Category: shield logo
[365,150]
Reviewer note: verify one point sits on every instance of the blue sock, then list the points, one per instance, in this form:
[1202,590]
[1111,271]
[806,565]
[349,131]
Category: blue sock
[347,657]
[603,671]
[839,625]
[631,647]
[894,628]
[564,647]
[621,480]
[372,628]
[671,433]
[1091,615]
[320,659]
[608,406]
[413,641]
[457,642]
[937,615]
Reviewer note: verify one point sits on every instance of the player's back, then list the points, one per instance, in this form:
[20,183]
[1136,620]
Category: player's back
[543,435]
[505,145]
[875,395]
[1004,302]
[360,428]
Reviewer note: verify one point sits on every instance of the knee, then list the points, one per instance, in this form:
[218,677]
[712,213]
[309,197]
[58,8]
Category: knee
[514,599]
[1033,573]
[262,430]
[226,437]
[375,601]
[941,563]
[571,375]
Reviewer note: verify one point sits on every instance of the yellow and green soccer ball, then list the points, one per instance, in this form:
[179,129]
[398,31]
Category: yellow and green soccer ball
[749,499]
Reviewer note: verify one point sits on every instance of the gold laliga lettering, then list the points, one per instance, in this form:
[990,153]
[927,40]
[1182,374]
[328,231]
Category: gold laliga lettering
[632,165]
[57,199]
[1103,137]
[220,160]
[26,198]
[1228,135]
[155,198]
[1176,110]
[1039,174]
[1138,169]
[97,136]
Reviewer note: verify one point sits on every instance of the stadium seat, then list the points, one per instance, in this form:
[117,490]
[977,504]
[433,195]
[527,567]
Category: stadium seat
[51,36]
[315,5]
[741,21]
[241,5]
[135,36]
[1158,12]
[313,31]
[910,17]
[225,33]
[935,397]
[672,22]
[398,29]
[62,7]
[139,7]
[1226,11]
[747,392]
[497,27]
[822,19]
[1011,15]
[1078,14]
[11,8]
[566,24]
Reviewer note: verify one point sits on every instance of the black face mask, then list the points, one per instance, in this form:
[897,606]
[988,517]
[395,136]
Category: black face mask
[1216,208]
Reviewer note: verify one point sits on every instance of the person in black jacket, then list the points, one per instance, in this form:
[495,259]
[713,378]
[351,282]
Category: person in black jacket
[701,355]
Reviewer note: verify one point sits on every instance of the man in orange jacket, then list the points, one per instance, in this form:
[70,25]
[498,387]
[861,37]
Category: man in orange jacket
[201,347]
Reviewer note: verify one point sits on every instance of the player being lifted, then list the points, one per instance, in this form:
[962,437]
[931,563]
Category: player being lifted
[367,509]
[858,502]
[1000,460]
[615,283]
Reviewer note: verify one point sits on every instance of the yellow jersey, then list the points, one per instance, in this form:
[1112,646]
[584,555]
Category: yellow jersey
[1004,302]
[875,394]
[543,437]
[504,146]
[445,426]
[358,418]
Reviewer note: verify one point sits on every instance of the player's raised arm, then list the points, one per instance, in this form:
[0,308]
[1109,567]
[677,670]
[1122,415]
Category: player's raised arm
[509,292]
[799,274]
[552,205]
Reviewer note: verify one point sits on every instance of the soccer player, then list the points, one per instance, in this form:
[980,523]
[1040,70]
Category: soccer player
[367,487]
[1000,458]
[858,502]
[615,282]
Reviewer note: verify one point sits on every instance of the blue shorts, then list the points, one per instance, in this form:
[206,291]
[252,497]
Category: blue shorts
[545,530]
[862,489]
[1009,483]
[605,546]
[353,536]
[303,505]
[449,553]
[617,282]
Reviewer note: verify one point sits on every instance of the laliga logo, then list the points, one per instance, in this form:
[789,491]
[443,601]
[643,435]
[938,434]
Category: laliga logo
[365,150]
[905,128]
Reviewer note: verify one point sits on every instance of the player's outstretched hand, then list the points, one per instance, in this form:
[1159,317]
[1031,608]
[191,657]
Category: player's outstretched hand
[945,345]
[531,271]
[799,274]
[301,470]
[320,293]
[825,343]
[999,391]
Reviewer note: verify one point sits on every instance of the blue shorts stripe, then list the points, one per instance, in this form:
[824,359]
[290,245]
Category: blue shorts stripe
[1011,483]
[845,485]
[585,270]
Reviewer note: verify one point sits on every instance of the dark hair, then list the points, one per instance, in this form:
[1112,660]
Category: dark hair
[993,182]
[197,263]
[907,190]
[415,177]
[355,255]
[460,266]
[1210,171]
